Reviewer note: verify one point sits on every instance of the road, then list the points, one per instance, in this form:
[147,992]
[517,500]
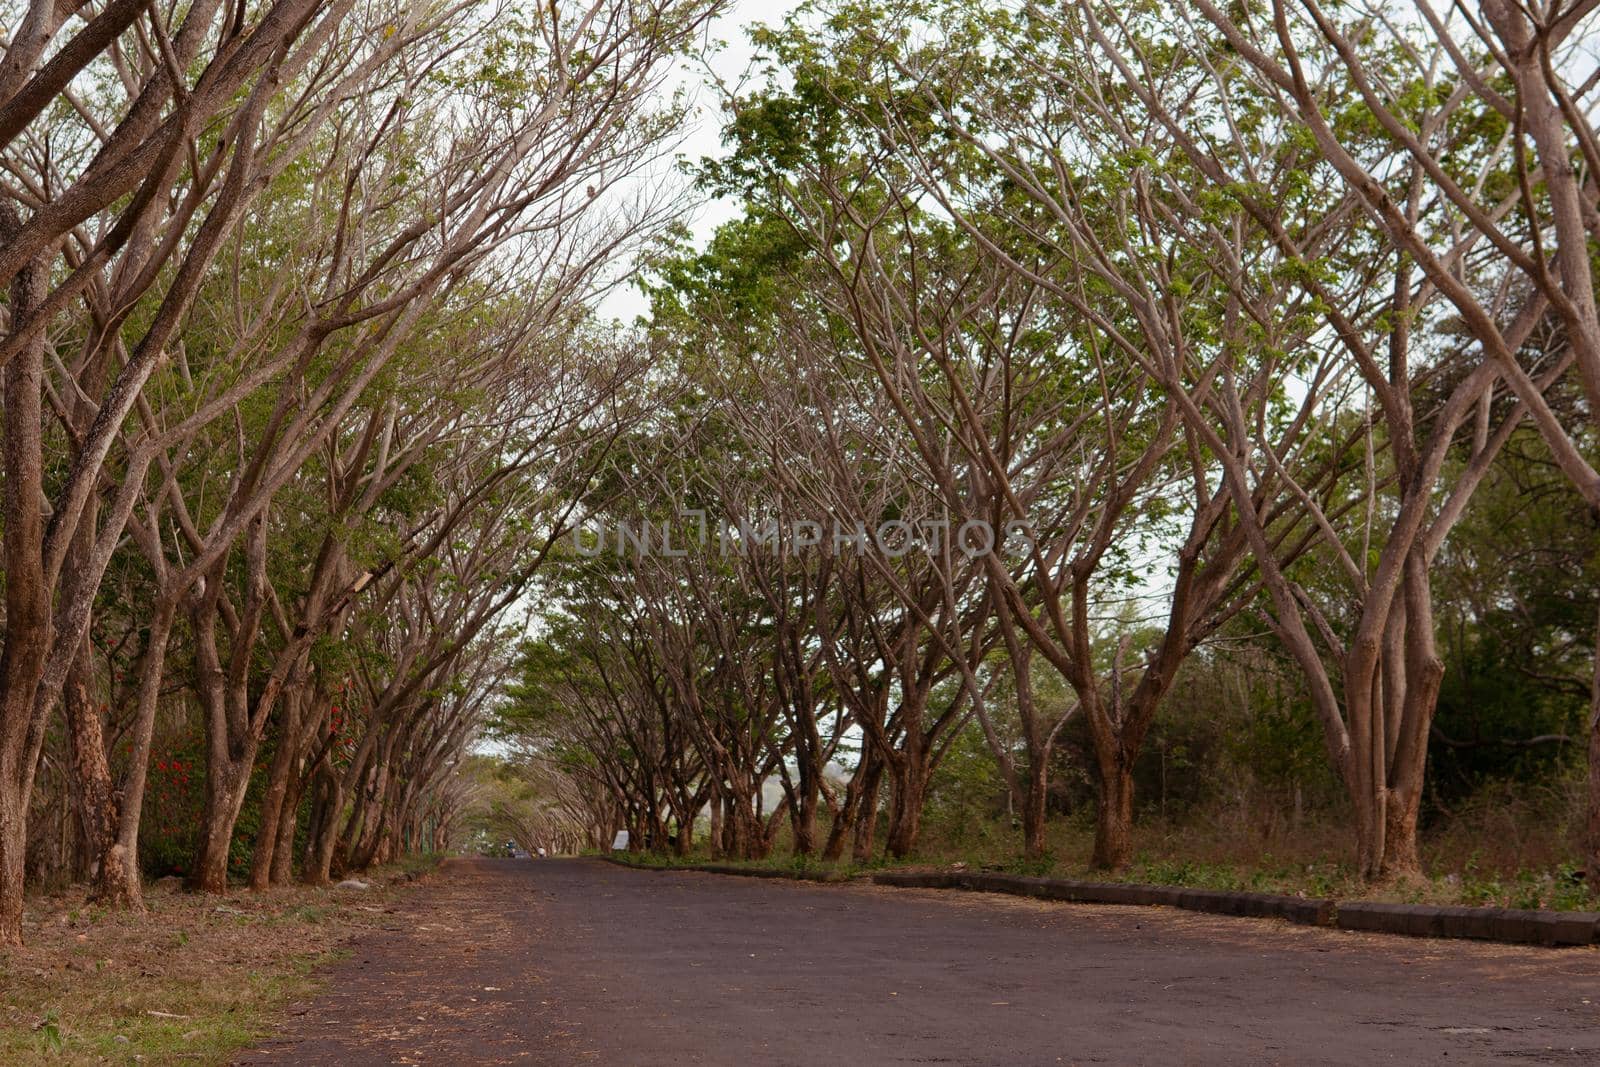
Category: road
[579,961]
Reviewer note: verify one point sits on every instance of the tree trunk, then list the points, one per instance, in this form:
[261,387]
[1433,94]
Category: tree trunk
[731,842]
[277,791]
[94,793]
[369,847]
[866,821]
[226,782]
[349,838]
[716,822]
[839,830]
[119,870]
[27,600]
[13,848]
[1033,809]
[327,800]
[1591,828]
[905,824]
[1401,858]
[1113,817]
[1591,846]
[803,820]
[282,872]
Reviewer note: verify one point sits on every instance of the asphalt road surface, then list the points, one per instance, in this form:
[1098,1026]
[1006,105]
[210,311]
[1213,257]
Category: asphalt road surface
[579,961]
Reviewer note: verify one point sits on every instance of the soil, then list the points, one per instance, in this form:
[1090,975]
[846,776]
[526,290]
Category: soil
[579,961]
[188,979]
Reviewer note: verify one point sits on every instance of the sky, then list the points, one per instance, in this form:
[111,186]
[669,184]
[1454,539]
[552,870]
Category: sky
[701,137]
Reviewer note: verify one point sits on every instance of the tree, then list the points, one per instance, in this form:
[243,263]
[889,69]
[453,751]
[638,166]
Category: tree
[1510,66]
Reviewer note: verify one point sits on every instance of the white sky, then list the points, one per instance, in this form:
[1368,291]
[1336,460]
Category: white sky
[702,135]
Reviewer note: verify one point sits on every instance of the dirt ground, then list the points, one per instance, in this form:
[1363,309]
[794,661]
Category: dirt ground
[190,979]
[578,961]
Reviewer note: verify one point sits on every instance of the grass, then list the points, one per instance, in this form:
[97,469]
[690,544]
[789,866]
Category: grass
[191,980]
[1524,864]
[778,860]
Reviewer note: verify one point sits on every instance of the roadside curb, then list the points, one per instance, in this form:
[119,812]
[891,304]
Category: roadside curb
[1552,929]
[1555,929]
[830,877]
[1299,910]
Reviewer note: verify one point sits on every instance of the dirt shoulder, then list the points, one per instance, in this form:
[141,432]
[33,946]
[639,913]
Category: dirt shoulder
[460,977]
[191,980]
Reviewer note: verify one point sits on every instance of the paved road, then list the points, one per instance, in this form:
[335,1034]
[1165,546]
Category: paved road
[577,961]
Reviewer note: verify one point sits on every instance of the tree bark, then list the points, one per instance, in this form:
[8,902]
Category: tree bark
[1033,810]
[282,871]
[94,792]
[327,800]
[1113,817]
[281,769]
[1591,826]
[909,788]
[1591,844]
[13,849]
[866,820]
[27,601]
[226,782]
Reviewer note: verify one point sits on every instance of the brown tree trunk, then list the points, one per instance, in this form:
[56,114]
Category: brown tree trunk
[277,791]
[1591,844]
[716,823]
[1591,826]
[839,829]
[282,871]
[731,842]
[349,836]
[866,821]
[119,870]
[803,820]
[13,848]
[94,793]
[1401,857]
[1113,817]
[1033,804]
[909,787]
[227,780]
[327,800]
[27,601]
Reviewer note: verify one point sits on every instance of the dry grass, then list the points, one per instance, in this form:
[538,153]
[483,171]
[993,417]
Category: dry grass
[192,979]
[1510,847]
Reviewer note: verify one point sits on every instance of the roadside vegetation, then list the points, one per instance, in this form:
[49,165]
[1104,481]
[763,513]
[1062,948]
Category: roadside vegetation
[302,379]
[1200,854]
[1154,441]
[189,980]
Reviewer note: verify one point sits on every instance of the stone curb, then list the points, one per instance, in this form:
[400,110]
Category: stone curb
[1512,925]
[1509,925]
[1555,929]
[1253,905]
[743,872]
